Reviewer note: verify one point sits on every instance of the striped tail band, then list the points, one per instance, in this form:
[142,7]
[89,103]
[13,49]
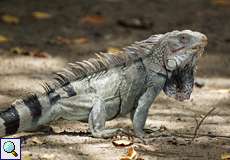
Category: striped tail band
[20,116]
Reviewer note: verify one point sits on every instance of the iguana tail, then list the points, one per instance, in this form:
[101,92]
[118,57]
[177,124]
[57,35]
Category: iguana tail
[35,110]
[22,115]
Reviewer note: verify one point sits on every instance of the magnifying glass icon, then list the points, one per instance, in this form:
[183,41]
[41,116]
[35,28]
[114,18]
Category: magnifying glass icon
[9,147]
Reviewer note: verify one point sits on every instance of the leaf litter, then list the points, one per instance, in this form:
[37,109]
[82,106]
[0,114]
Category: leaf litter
[41,15]
[29,52]
[10,19]
[3,39]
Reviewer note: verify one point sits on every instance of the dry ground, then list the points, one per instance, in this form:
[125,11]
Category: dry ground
[22,74]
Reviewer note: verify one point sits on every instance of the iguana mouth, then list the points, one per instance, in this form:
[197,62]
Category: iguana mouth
[197,49]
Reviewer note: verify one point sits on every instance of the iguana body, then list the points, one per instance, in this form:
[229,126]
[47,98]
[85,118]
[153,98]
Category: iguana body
[112,84]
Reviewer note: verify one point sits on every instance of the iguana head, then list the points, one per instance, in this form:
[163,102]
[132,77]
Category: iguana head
[182,49]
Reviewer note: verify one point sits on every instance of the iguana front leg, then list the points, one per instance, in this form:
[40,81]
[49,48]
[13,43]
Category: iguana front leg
[97,119]
[141,112]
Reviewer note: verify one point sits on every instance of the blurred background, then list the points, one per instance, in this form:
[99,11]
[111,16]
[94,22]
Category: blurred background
[73,28]
[38,38]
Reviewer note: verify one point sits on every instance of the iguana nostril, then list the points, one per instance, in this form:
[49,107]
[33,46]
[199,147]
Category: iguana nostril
[204,39]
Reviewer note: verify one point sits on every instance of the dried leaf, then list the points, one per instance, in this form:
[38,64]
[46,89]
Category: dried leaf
[81,40]
[122,143]
[41,15]
[27,155]
[113,50]
[221,2]
[3,39]
[93,19]
[63,40]
[19,51]
[137,23]
[131,155]
[40,54]
[225,156]
[34,140]
[29,52]
[67,41]
[10,19]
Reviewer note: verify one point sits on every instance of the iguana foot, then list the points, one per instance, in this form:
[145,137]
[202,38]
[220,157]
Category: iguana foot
[97,119]
[108,133]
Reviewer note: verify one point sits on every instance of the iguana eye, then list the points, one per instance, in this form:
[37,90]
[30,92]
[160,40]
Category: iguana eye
[183,39]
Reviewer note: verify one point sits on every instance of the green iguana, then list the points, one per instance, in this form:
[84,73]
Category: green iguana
[112,84]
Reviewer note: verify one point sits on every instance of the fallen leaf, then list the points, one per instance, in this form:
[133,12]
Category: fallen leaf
[3,39]
[113,50]
[36,140]
[93,19]
[29,52]
[137,23]
[41,15]
[131,155]
[81,40]
[40,54]
[60,40]
[221,2]
[225,156]
[10,19]
[19,51]
[63,40]
[33,141]
[27,155]
[122,143]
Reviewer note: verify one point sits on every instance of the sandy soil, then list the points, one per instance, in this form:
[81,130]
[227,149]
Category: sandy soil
[21,74]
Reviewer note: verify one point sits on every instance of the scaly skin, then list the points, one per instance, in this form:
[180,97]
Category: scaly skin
[113,85]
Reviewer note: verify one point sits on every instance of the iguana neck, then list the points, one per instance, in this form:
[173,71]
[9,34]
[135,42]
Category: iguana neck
[154,62]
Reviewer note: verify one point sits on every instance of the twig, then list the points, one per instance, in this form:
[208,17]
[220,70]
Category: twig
[191,135]
[201,121]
